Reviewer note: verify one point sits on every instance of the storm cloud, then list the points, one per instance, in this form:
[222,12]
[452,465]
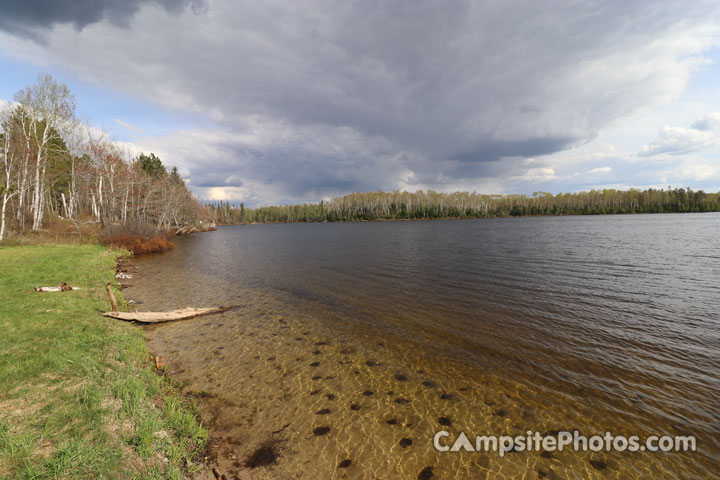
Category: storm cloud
[35,17]
[325,97]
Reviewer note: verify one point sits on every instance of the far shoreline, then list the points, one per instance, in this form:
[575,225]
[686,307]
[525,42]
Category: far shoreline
[382,220]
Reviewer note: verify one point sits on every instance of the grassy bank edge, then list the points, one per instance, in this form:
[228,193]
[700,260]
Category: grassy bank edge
[79,397]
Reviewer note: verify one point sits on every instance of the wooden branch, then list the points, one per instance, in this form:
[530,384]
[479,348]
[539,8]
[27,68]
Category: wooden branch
[113,302]
[159,363]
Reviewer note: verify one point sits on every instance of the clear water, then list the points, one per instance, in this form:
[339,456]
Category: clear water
[597,323]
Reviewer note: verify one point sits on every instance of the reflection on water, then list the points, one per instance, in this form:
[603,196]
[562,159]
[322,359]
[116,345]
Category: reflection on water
[385,333]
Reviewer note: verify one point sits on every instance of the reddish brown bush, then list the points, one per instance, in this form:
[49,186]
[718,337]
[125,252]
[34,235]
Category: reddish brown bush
[138,239]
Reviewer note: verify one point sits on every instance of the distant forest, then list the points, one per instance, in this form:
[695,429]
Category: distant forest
[436,205]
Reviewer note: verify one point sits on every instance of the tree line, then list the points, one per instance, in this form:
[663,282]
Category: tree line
[401,205]
[52,165]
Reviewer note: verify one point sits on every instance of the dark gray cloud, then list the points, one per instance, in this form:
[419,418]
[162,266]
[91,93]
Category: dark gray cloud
[303,164]
[326,96]
[491,150]
[35,17]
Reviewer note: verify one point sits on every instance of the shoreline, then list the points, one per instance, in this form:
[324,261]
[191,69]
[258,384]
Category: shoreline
[374,220]
[215,456]
[82,399]
[218,454]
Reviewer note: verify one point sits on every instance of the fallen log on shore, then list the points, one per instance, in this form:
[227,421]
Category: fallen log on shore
[62,288]
[169,316]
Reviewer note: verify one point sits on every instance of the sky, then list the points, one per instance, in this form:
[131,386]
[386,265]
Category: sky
[279,102]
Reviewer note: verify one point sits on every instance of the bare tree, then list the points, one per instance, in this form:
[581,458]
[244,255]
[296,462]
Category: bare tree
[51,109]
[8,162]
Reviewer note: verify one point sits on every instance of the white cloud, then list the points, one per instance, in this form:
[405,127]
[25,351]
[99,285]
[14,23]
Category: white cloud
[130,126]
[601,170]
[535,175]
[681,140]
[698,171]
[710,122]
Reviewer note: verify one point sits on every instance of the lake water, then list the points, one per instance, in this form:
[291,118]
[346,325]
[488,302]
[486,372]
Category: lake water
[388,332]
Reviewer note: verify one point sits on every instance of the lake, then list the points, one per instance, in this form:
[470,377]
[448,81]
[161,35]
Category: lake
[389,332]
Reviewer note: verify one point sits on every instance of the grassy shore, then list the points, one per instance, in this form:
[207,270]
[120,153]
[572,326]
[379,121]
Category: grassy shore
[78,395]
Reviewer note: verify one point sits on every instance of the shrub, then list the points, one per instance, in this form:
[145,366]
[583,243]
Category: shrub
[139,238]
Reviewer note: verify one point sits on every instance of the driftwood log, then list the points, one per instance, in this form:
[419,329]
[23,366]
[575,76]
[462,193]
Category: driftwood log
[159,317]
[169,316]
[62,288]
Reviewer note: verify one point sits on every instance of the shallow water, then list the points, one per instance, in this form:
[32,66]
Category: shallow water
[602,323]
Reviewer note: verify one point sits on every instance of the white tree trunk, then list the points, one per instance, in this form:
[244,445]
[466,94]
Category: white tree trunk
[125,204]
[2,217]
[65,205]
[6,200]
[41,210]
[95,211]
[36,194]
[40,165]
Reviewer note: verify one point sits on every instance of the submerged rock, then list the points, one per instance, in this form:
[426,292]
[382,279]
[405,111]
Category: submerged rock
[405,442]
[319,431]
[425,474]
[264,455]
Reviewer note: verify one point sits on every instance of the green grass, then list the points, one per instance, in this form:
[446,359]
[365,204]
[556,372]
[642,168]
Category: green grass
[78,396]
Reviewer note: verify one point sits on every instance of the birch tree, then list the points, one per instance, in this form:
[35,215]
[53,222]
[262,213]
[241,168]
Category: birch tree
[51,109]
[8,190]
